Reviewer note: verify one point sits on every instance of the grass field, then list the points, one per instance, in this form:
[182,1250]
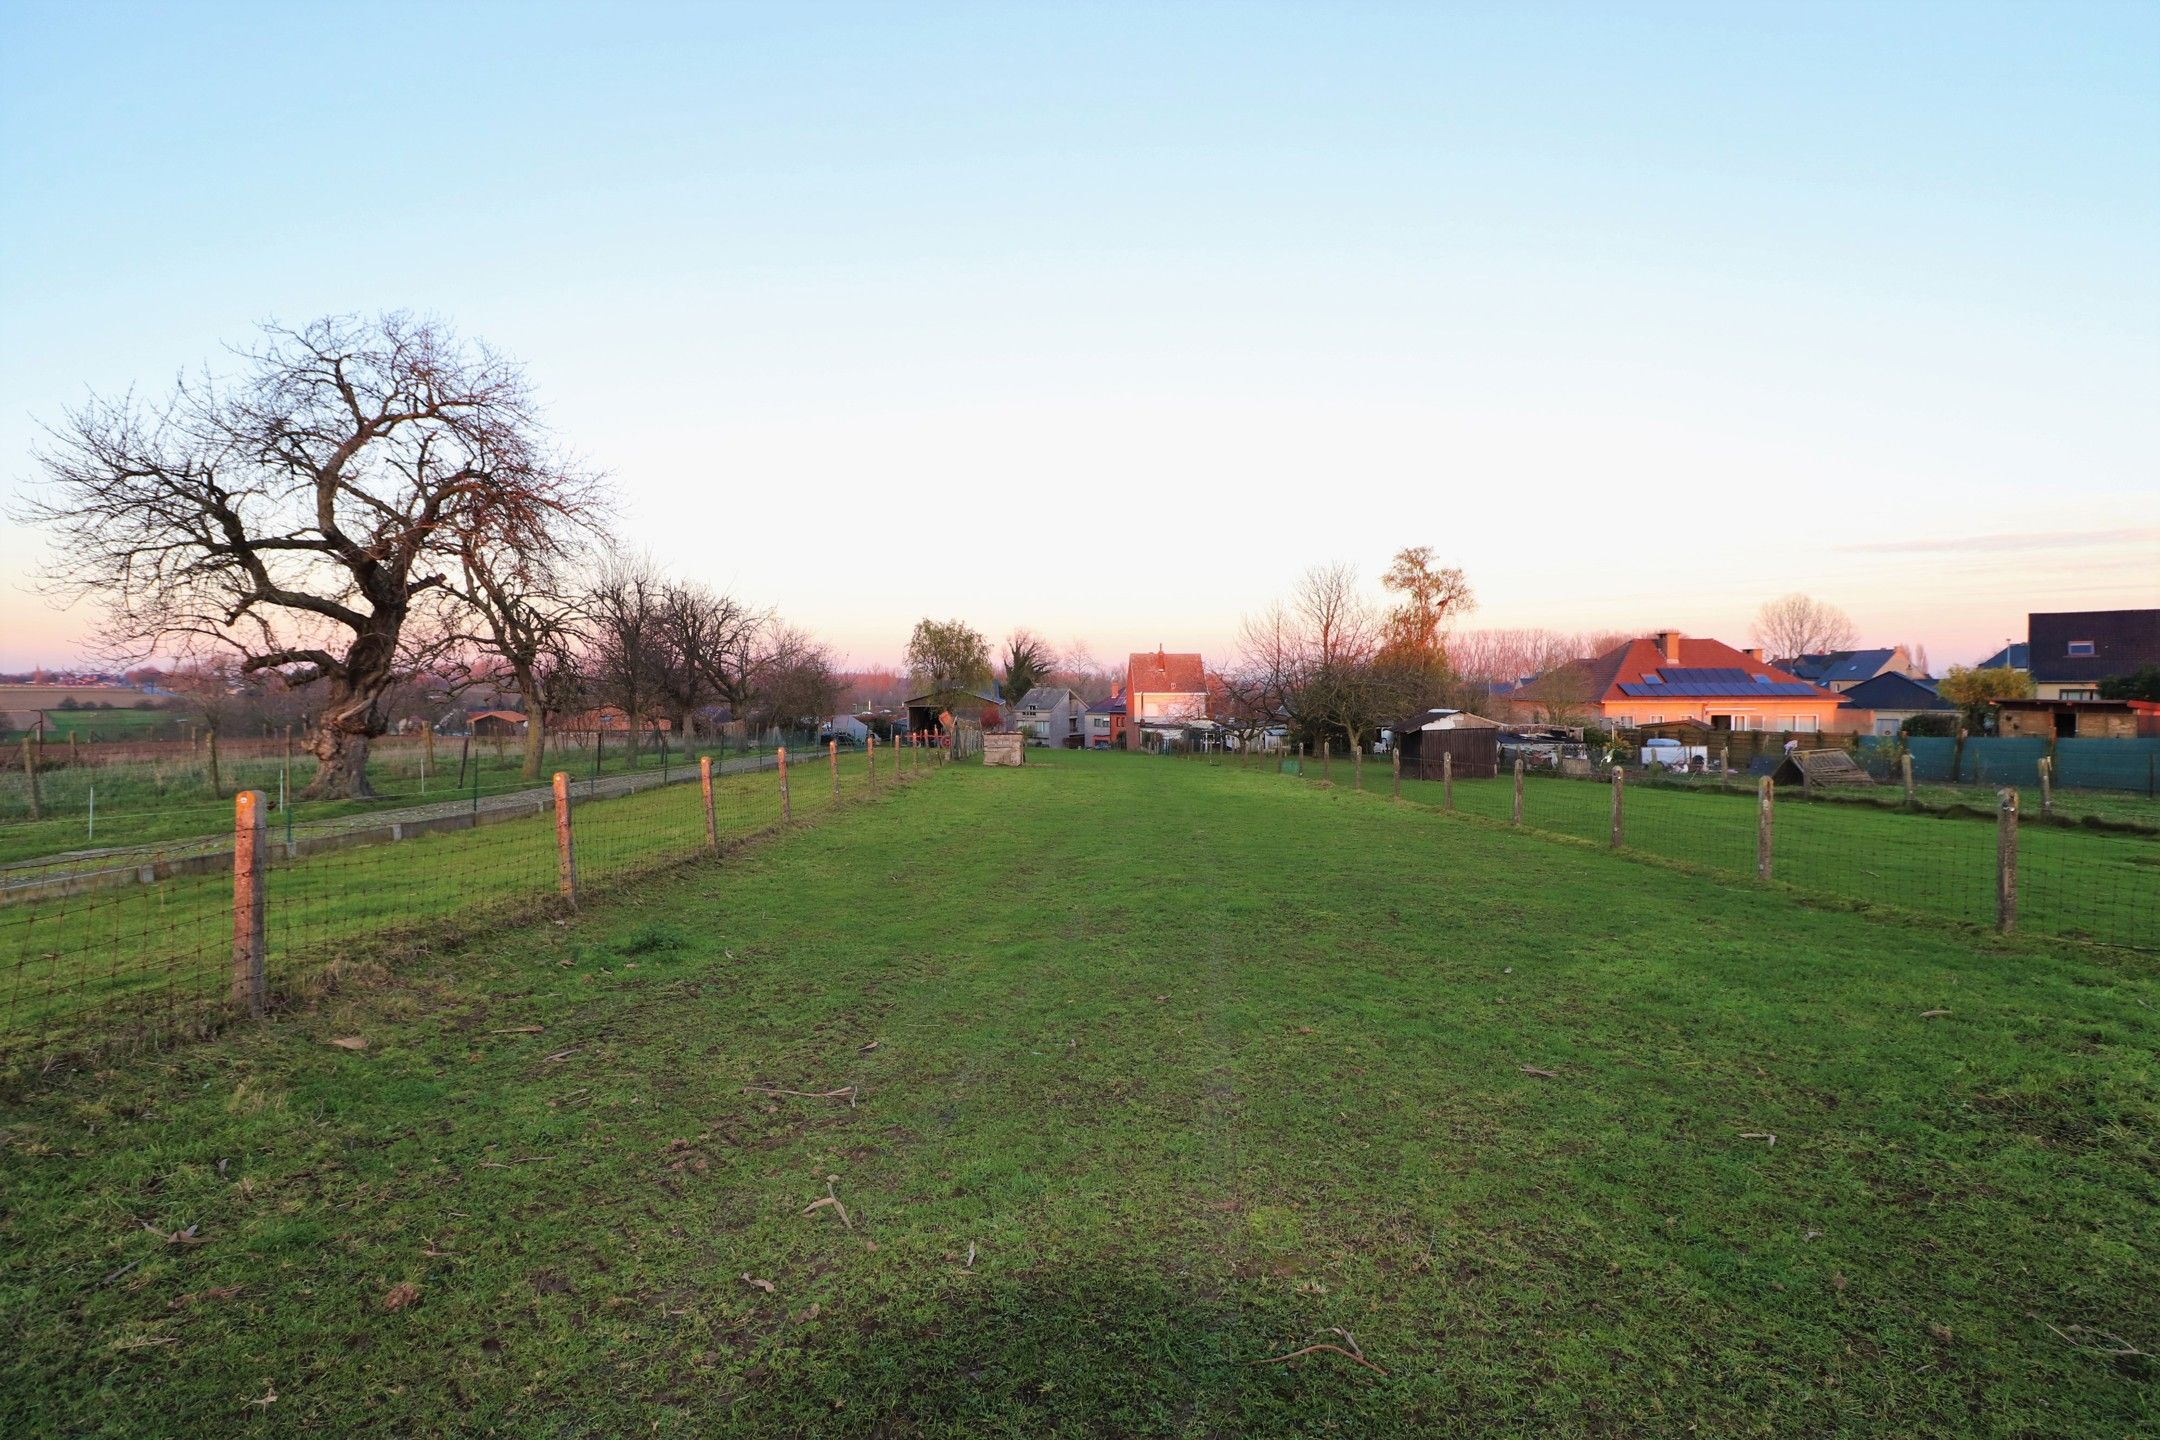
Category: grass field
[1158,1071]
[148,803]
[135,958]
[2071,881]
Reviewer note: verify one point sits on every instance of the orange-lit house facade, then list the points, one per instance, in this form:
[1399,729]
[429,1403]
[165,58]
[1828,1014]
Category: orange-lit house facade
[1165,690]
[1670,677]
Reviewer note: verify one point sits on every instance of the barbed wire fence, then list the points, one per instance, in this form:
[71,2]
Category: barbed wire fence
[131,947]
[2017,865]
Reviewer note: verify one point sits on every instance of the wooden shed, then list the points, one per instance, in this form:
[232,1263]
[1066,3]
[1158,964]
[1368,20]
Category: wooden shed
[1475,753]
[1820,767]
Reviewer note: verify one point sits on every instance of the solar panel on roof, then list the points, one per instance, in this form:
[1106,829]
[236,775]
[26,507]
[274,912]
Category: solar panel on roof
[1703,674]
[1725,689]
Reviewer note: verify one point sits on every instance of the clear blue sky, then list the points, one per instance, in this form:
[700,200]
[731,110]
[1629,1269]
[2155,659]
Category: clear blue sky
[1108,319]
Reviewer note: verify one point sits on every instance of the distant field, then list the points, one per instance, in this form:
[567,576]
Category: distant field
[148,802]
[1131,1076]
[44,697]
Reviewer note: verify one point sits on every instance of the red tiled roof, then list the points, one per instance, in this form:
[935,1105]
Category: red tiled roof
[1159,672]
[1627,664]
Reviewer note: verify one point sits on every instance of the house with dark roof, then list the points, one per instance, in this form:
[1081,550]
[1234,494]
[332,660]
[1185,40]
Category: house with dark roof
[1164,693]
[1843,669]
[2016,655]
[2072,651]
[1050,715]
[1670,677]
[1104,723]
[1882,705]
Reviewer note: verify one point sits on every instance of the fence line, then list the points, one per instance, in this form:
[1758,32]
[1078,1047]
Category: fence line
[1996,867]
[190,940]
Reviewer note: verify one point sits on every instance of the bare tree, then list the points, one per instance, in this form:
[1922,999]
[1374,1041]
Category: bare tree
[1795,625]
[294,515]
[798,684]
[626,656]
[513,609]
[706,640]
[1320,660]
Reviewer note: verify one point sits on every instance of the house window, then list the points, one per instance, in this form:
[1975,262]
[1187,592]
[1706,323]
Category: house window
[1655,720]
[2081,648]
[1804,723]
[2071,693]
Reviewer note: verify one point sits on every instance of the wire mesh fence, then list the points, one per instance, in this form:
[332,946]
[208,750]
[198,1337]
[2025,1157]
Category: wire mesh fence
[2067,875]
[118,947]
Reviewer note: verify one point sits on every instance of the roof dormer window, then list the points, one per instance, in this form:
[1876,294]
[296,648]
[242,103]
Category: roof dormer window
[2080,649]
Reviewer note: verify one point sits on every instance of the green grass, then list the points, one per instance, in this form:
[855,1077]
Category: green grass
[104,724]
[129,958]
[148,803]
[2072,882]
[1198,1064]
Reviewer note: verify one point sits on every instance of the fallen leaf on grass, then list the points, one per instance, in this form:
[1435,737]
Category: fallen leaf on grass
[178,1237]
[1940,1331]
[401,1296]
[866,1049]
[1933,1014]
[559,1055]
[520,1030]
[766,1285]
[1315,1349]
[351,1042]
[268,1399]
[1541,1073]
[833,1200]
[1758,1135]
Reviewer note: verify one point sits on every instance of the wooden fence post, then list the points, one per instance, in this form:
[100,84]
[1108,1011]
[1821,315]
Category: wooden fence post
[1619,783]
[1447,782]
[787,810]
[217,784]
[2006,859]
[1912,797]
[427,755]
[1327,756]
[1764,792]
[1724,765]
[565,846]
[1395,757]
[1357,766]
[832,758]
[712,826]
[1518,791]
[871,751]
[2047,787]
[249,895]
[29,765]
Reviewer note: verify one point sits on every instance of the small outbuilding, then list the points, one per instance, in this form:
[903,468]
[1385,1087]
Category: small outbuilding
[1820,767]
[2078,719]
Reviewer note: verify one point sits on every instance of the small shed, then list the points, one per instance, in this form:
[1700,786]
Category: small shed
[2076,719]
[1820,767]
[494,724]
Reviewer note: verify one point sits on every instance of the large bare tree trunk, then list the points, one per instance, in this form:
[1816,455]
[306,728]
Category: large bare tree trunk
[341,753]
[535,723]
[352,717]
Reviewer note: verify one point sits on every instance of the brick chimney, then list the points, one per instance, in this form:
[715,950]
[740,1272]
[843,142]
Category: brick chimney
[1668,644]
[1754,652]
